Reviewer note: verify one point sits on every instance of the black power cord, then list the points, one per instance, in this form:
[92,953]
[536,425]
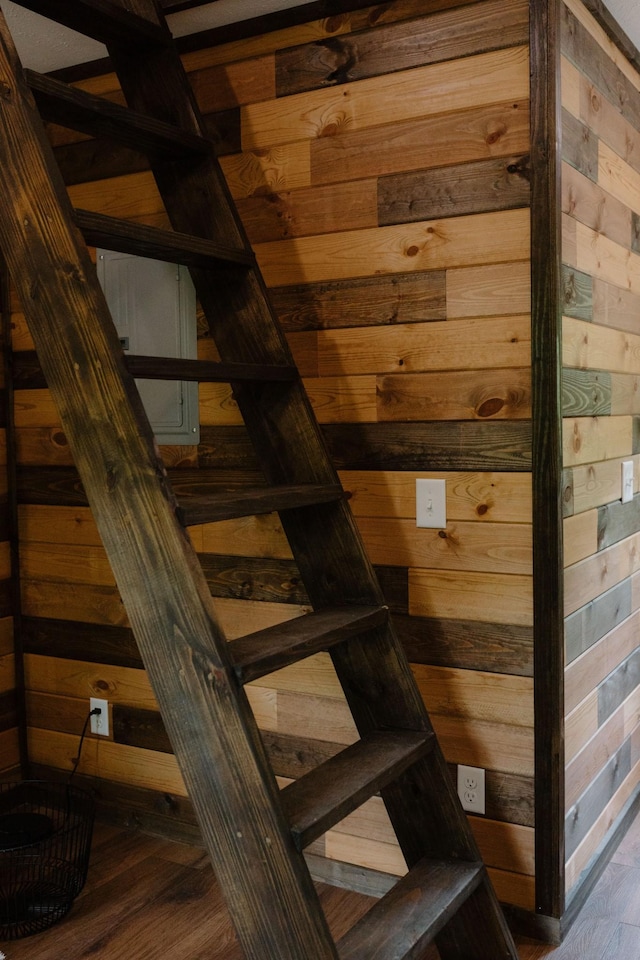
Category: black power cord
[92,713]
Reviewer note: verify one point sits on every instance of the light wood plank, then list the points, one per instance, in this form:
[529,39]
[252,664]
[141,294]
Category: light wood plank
[583,768]
[223,86]
[589,346]
[66,563]
[475,133]
[282,167]
[489,290]
[497,497]
[418,92]
[581,13]
[61,601]
[570,85]
[247,537]
[488,597]
[581,725]
[601,205]
[589,439]
[580,537]
[425,245]
[476,694]
[596,835]
[494,746]
[589,578]
[483,547]
[602,258]
[343,399]
[588,670]
[595,484]
[455,395]
[441,345]
[130,197]
[617,177]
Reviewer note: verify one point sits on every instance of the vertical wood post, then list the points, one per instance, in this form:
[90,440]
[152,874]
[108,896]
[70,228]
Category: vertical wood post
[548,576]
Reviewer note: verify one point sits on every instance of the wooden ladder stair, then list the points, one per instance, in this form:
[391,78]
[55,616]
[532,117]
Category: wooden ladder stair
[255,833]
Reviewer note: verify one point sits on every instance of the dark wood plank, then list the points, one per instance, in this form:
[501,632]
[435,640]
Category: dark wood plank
[548,581]
[480,187]
[478,133]
[467,645]
[579,146]
[102,20]
[577,294]
[253,578]
[401,298]
[73,640]
[582,815]
[613,29]
[586,393]
[451,445]
[590,623]
[8,710]
[204,371]
[447,35]
[101,159]
[267,650]
[127,236]
[617,521]
[196,508]
[407,918]
[583,50]
[69,106]
[326,795]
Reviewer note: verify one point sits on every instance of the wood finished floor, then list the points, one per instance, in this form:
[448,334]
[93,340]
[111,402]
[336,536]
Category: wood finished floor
[147,898]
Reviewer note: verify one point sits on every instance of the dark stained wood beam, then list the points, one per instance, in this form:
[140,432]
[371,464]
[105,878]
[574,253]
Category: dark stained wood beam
[548,581]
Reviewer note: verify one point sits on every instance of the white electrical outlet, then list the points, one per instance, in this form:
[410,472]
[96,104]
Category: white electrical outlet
[627,481]
[431,503]
[100,721]
[471,788]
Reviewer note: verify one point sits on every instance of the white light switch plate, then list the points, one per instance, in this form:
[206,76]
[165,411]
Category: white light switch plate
[627,481]
[431,503]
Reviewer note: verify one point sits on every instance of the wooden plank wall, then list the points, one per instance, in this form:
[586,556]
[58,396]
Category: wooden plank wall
[601,374]
[9,712]
[379,162]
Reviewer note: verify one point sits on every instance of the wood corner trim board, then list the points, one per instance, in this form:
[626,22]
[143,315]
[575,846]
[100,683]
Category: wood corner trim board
[546,453]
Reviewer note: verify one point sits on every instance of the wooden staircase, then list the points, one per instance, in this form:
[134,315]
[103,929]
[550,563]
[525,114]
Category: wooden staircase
[255,833]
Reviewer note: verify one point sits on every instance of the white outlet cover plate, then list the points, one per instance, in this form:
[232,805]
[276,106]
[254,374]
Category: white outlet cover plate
[431,504]
[100,724]
[471,787]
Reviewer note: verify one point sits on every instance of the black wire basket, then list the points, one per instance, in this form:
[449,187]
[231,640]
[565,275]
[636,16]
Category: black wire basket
[45,840]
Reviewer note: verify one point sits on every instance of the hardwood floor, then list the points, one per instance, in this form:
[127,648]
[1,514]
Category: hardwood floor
[147,898]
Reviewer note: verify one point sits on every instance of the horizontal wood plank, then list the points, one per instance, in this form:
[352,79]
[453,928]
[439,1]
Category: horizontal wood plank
[476,80]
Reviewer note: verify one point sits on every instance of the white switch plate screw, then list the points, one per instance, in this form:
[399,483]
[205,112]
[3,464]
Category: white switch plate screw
[627,481]
[471,788]
[100,721]
[431,503]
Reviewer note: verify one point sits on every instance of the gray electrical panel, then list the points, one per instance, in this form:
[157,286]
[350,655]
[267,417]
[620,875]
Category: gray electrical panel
[153,305]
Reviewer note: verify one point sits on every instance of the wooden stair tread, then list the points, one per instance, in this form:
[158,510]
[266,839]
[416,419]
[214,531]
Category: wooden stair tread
[205,371]
[328,793]
[126,236]
[253,501]
[102,20]
[401,924]
[271,649]
[78,110]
